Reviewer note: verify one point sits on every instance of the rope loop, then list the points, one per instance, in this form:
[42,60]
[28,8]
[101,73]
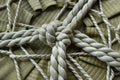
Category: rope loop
[55,32]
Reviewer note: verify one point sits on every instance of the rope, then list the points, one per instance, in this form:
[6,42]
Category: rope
[105,20]
[73,71]
[41,56]
[80,68]
[45,34]
[110,72]
[16,66]
[59,35]
[36,65]
[99,50]
[73,12]
[68,2]
[9,16]
[98,29]
[8,30]
[16,15]
[62,38]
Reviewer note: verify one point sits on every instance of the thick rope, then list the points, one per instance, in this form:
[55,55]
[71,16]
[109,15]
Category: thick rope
[80,14]
[99,50]
[54,64]
[73,12]
[15,38]
[110,72]
[105,20]
[63,37]
[58,36]
[45,34]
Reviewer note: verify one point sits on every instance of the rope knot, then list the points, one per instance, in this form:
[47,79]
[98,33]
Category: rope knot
[64,34]
[53,32]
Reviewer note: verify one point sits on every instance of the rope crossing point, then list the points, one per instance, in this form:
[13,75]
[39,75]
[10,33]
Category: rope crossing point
[59,36]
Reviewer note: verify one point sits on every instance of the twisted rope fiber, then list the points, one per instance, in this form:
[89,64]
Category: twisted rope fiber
[43,56]
[99,50]
[9,15]
[8,30]
[105,20]
[73,71]
[16,15]
[27,36]
[63,40]
[102,36]
[67,2]
[88,77]
[16,64]
[117,33]
[110,73]
[60,43]
[36,65]
[24,50]
[14,35]
[16,38]
[73,12]
[98,29]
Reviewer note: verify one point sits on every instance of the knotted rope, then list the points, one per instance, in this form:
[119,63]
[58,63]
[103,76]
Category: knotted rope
[59,35]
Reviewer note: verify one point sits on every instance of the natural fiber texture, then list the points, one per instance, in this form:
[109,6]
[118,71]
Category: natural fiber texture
[59,35]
